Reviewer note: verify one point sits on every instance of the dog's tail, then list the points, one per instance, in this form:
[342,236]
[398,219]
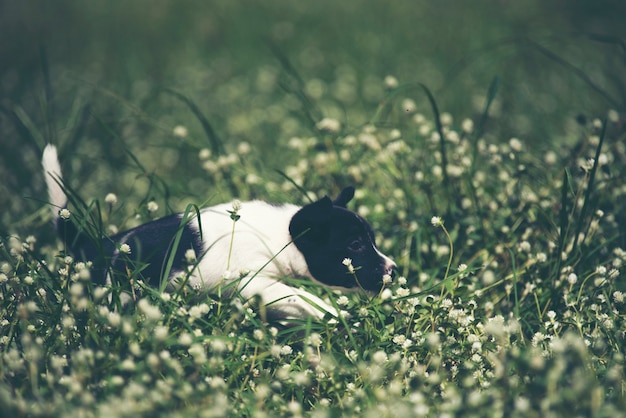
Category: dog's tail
[54,180]
[74,237]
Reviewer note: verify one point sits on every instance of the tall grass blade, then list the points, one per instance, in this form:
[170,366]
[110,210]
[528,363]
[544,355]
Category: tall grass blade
[217,145]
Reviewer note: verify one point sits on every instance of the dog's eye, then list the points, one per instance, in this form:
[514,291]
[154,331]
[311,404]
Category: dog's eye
[355,245]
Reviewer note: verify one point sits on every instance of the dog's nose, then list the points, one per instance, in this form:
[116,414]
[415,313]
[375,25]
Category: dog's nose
[390,266]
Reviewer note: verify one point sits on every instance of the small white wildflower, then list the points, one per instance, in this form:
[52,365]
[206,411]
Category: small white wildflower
[243,148]
[572,278]
[390,82]
[342,300]
[467,125]
[386,294]
[161,332]
[402,292]
[236,205]
[204,154]
[190,256]
[258,334]
[218,346]
[379,357]
[65,213]
[180,131]
[446,119]
[286,350]
[315,339]
[387,279]
[436,221]
[409,106]
[618,296]
[399,339]
[328,125]
[125,249]
[110,199]
[150,311]
[185,339]
[348,263]
[446,303]
[541,257]
[515,144]
[524,246]
[152,206]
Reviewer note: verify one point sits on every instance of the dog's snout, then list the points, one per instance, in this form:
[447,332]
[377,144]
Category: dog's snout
[390,266]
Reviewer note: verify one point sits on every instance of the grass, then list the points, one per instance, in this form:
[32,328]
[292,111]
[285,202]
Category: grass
[531,325]
[509,295]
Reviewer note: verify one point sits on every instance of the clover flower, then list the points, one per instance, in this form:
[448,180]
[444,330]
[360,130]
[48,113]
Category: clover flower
[180,131]
[65,214]
[348,263]
[152,206]
[110,199]
[328,125]
[125,248]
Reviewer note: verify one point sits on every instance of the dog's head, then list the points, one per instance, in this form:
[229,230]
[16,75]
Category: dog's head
[326,233]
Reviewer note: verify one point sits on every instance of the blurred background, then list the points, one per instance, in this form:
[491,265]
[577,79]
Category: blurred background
[161,80]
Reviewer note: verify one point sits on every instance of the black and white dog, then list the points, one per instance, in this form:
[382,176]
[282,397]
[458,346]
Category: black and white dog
[269,241]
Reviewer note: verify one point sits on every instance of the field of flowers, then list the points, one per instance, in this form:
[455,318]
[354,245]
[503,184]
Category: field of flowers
[506,216]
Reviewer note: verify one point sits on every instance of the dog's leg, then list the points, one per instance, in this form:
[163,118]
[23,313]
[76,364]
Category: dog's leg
[283,301]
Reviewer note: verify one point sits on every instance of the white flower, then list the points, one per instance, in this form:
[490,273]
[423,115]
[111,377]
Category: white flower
[190,255]
[467,125]
[65,213]
[125,249]
[285,350]
[110,199]
[258,334]
[185,339]
[515,144]
[390,82]
[180,131]
[243,148]
[328,125]
[204,154]
[387,279]
[436,221]
[160,333]
[348,263]
[379,357]
[572,278]
[152,206]
[342,300]
[315,339]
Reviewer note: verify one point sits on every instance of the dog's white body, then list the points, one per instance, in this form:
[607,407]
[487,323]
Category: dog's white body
[261,235]
[254,257]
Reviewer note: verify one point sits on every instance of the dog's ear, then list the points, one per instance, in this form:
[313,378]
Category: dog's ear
[310,226]
[344,197]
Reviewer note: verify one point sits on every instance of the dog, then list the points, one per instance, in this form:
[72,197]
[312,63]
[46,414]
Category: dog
[245,247]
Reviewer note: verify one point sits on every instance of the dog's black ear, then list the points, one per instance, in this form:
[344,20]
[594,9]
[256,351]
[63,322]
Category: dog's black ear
[344,197]
[311,224]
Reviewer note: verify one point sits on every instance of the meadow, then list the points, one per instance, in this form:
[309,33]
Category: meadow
[490,160]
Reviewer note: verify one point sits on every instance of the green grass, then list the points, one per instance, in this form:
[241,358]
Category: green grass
[510,303]
[532,325]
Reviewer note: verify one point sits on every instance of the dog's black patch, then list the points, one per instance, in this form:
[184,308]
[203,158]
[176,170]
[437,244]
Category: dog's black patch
[151,245]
